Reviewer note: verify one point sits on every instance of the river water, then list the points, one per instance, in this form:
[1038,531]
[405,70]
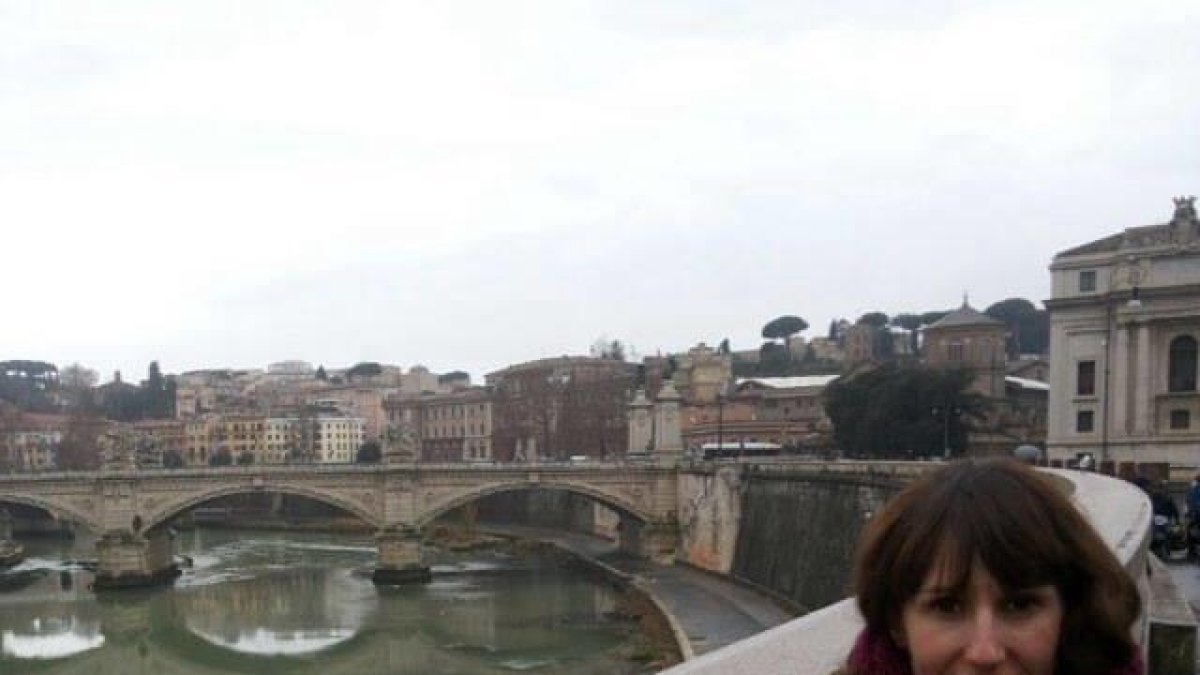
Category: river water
[268,602]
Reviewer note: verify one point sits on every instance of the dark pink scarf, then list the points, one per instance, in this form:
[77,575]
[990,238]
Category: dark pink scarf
[877,654]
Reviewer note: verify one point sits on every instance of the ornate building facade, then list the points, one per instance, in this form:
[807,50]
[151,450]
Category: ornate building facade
[1124,330]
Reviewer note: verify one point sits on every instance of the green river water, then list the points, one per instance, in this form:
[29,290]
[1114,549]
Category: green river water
[268,602]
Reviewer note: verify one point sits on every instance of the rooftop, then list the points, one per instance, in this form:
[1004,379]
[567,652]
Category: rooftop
[964,316]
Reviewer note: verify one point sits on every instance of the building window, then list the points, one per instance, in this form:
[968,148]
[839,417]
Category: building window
[1085,378]
[1181,419]
[954,351]
[1085,421]
[1087,281]
[1181,367]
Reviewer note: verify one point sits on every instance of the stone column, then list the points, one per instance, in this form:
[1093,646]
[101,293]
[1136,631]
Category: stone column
[641,426]
[400,557]
[668,438]
[130,560]
[1142,413]
[1121,382]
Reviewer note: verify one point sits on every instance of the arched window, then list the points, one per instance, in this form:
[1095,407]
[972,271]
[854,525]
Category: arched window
[1181,368]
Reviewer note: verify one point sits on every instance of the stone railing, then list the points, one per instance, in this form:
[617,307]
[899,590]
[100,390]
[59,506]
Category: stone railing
[818,643]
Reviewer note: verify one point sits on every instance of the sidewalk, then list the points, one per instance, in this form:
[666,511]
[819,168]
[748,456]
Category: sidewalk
[712,612]
[1187,579]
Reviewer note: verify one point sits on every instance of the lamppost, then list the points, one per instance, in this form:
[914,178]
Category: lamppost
[946,411]
[722,393]
[720,422]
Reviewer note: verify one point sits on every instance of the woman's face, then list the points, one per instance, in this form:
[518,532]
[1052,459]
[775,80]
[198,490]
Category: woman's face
[982,628]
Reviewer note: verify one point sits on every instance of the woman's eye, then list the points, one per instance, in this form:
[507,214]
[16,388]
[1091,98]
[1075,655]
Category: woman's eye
[1019,604]
[945,605]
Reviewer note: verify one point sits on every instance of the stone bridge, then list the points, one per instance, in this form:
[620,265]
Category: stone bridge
[130,510]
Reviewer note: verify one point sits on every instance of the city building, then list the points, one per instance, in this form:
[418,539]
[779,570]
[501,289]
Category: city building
[197,434]
[336,439]
[280,436]
[239,434]
[166,438]
[788,411]
[701,373]
[291,370]
[30,441]
[1124,329]
[452,427]
[561,407]
[967,338]
[365,402]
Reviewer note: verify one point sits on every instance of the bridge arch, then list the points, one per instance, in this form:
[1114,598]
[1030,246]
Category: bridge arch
[58,509]
[618,503]
[165,512]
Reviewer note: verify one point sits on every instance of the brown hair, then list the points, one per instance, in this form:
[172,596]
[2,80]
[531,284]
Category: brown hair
[1024,531]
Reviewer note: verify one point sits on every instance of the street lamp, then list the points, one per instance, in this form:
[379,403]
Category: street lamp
[946,412]
[722,394]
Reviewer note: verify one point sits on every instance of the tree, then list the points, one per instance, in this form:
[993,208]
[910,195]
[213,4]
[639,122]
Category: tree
[723,347]
[912,324]
[903,410]
[933,317]
[79,449]
[365,369]
[876,319]
[302,432]
[774,360]
[9,422]
[783,328]
[75,376]
[245,458]
[369,453]
[157,395]
[321,375]
[29,384]
[1028,326]
[603,348]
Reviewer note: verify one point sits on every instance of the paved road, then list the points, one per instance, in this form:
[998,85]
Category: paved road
[711,611]
[1187,578]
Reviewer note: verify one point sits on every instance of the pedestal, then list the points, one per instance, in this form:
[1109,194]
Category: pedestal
[400,558]
[128,560]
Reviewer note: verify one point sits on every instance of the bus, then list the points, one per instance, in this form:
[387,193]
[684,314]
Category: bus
[731,449]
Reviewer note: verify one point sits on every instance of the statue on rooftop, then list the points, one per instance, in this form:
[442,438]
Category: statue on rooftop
[400,444]
[1185,209]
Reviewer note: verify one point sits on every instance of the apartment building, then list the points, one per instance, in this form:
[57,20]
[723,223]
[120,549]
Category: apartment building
[451,427]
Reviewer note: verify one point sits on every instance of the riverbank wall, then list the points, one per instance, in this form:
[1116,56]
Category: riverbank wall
[787,530]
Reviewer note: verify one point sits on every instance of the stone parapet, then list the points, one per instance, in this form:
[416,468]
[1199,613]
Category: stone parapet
[818,642]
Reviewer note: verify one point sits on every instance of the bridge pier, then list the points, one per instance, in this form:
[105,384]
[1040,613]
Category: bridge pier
[130,560]
[654,540]
[400,557]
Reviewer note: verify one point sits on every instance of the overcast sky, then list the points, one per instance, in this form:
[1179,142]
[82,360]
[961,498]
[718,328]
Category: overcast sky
[471,184]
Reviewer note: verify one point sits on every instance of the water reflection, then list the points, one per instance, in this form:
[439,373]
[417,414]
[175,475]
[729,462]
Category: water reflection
[273,603]
[51,639]
[280,612]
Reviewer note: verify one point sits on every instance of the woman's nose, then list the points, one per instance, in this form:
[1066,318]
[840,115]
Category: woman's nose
[984,645]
